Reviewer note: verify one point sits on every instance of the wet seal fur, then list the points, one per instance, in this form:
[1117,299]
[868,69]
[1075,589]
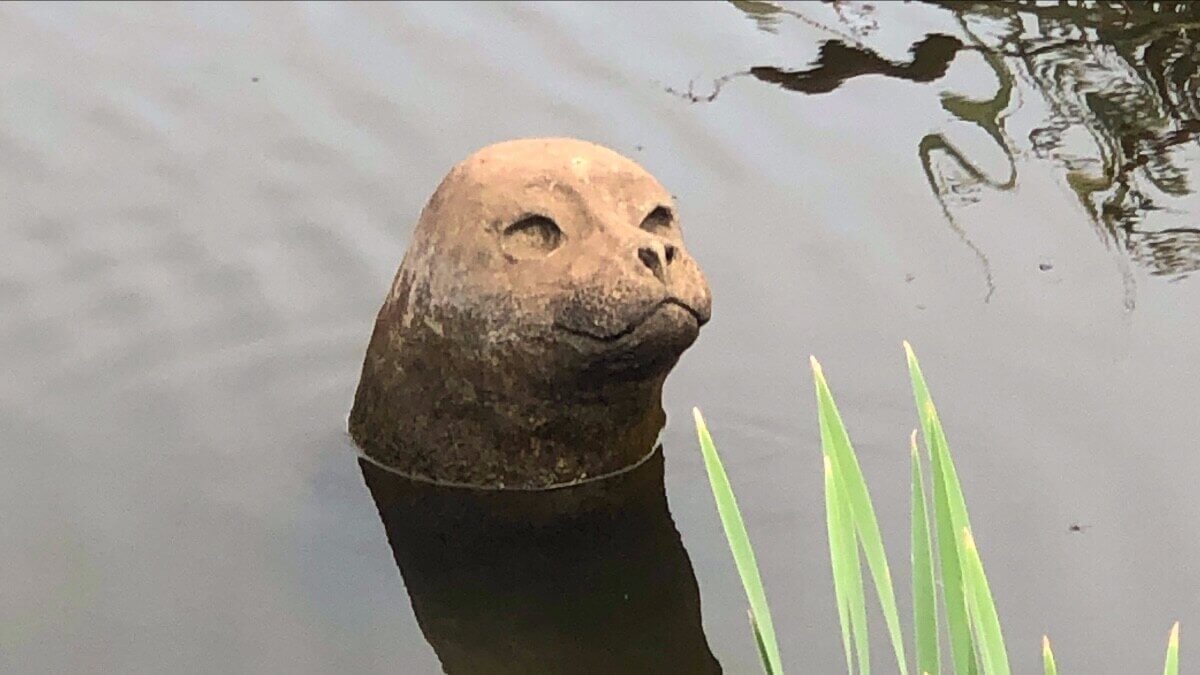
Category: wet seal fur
[545,295]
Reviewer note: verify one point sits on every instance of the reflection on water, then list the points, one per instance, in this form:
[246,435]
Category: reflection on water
[587,579]
[1119,81]
[839,62]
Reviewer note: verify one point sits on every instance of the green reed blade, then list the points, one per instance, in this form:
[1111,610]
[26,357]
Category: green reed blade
[955,501]
[925,624]
[856,597]
[952,517]
[1048,657]
[739,545]
[1172,665]
[982,608]
[846,566]
[841,538]
[973,623]
[763,657]
[962,647]
[836,445]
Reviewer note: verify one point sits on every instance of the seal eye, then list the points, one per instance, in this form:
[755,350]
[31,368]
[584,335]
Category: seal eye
[659,221]
[531,237]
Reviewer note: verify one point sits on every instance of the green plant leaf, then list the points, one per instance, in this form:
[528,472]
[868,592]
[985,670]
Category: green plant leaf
[1172,664]
[1048,657]
[956,503]
[925,624]
[962,647]
[739,545]
[850,572]
[983,610]
[976,637]
[763,657]
[836,445]
[841,540]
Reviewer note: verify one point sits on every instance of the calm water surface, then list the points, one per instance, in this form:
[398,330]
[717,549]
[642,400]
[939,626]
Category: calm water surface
[202,206]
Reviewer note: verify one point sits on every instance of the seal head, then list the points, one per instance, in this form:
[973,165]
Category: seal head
[544,297]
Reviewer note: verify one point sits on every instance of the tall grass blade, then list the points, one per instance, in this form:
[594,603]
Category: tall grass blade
[739,545]
[1172,665]
[856,598]
[955,501]
[976,638]
[1048,657]
[848,474]
[925,625]
[841,537]
[983,610]
[763,657]
[962,647]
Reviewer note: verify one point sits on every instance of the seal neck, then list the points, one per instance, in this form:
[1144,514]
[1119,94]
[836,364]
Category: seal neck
[434,425]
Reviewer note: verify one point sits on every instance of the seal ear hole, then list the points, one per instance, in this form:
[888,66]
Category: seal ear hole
[532,236]
[659,220]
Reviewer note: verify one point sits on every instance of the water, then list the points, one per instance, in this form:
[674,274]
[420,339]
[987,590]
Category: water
[202,206]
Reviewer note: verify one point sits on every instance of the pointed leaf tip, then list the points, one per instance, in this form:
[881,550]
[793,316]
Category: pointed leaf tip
[1171,667]
[816,365]
[1048,664]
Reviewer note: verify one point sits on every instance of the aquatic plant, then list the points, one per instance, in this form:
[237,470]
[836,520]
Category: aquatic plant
[944,553]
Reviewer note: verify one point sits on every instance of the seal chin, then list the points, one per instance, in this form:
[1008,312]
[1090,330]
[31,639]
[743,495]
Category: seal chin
[672,326]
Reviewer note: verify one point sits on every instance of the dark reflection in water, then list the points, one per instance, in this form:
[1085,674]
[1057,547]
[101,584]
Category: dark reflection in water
[1126,75]
[587,579]
[1118,82]
[839,62]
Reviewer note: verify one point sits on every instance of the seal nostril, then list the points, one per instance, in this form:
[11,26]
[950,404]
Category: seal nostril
[649,257]
[670,253]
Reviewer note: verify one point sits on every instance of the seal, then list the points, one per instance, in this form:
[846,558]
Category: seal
[545,295]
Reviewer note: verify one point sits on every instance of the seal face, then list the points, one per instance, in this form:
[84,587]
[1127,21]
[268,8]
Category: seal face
[544,297]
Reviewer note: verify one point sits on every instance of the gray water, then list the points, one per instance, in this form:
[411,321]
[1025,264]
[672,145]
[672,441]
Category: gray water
[202,206]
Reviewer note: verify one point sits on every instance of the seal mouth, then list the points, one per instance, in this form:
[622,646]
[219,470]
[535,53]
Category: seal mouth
[636,323]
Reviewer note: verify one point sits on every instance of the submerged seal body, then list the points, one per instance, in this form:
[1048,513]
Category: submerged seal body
[544,297]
